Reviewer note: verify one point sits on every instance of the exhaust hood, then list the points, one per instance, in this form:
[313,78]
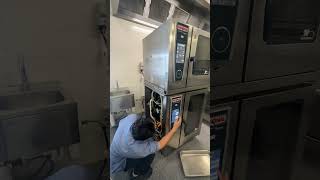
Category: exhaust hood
[153,13]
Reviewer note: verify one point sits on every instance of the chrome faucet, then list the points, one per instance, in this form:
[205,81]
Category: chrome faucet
[25,86]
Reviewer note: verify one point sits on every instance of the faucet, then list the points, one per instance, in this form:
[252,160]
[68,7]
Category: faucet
[25,86]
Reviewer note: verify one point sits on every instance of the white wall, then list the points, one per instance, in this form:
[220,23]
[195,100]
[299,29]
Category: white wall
[126,53]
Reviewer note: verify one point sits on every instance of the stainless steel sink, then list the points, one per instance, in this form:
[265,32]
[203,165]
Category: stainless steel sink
[36,121]
[29,100]
[119,92]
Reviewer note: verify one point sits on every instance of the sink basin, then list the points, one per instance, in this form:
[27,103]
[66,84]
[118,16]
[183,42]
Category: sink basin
[36,121]
[29,100]
[119,92]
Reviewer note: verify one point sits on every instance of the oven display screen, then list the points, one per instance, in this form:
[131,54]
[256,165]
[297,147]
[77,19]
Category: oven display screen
[181,46]
[175,114]
[175,109]
[181,50]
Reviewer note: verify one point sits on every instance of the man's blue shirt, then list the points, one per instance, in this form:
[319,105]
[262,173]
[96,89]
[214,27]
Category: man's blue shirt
[123,145]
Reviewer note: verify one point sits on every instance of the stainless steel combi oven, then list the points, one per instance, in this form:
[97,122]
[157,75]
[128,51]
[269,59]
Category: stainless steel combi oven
[265,56]
[267,130]
[261,39]
[177,78]
[165,109]
[177,56]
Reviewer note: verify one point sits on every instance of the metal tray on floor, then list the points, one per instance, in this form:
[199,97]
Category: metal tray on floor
[195,163]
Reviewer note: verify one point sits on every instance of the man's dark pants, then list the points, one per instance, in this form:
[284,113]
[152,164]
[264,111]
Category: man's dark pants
[141,166]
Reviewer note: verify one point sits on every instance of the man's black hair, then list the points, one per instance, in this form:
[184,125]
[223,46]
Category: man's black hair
[142,129]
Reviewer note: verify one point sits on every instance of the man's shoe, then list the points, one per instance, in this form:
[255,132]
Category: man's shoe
[134,176]
[148,174]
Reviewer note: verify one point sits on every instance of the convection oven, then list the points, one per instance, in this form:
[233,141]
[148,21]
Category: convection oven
[260,39]
[177,56]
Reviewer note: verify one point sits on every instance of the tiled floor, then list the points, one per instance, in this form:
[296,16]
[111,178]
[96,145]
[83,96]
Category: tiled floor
[169,167]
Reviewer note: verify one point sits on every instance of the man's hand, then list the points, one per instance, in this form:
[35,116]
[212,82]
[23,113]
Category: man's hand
[177,124]
[164,141]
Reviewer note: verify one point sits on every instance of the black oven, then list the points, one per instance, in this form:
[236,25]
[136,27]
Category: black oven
[271,133]
[263,39]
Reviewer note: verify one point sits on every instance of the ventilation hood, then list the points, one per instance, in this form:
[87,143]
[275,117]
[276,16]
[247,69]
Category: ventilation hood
[153,13]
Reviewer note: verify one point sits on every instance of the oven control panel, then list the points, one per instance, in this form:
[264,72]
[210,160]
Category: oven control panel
[218,129]
[181,47]
[176,105]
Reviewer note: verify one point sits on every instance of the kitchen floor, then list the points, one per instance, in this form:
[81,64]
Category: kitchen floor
[169,167]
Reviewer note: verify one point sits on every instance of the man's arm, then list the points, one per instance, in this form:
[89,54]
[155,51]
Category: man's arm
[164,141]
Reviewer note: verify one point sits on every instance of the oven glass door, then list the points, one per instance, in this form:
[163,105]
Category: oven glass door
[194,106]
[271,133]
[289,22]
[283,38]
[199,61]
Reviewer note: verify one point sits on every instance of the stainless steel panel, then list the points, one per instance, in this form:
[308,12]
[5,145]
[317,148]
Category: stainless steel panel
[175,91]
[195,163]
[159,57]
[28,132]
[196,80]
[175,141]
[29,100]
[156,56]
[37,120]
[227,91]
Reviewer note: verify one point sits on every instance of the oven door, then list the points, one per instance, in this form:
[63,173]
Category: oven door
[223,125]
[199,61]
[194,106]
[229,27]
[270,136]
[283,38]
